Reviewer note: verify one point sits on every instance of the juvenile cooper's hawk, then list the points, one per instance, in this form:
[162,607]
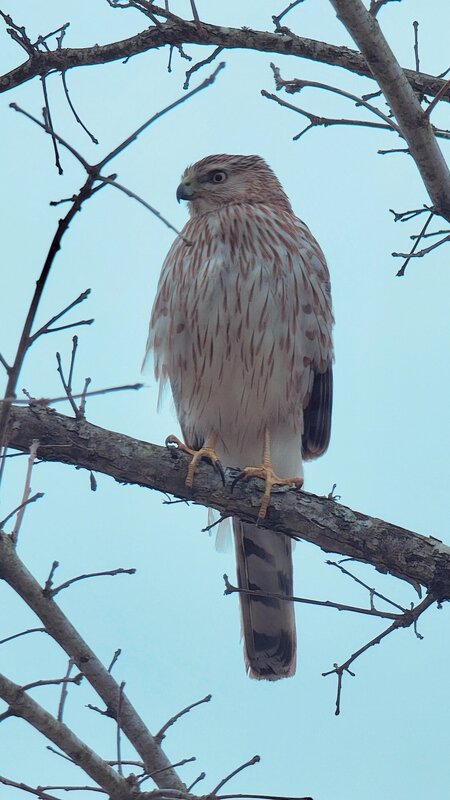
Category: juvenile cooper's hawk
[241,328]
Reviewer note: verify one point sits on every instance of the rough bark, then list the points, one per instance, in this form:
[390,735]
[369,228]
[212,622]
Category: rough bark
[333,527]
[184,32]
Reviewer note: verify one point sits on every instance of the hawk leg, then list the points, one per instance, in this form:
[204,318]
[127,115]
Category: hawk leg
[266,473]
[207,451]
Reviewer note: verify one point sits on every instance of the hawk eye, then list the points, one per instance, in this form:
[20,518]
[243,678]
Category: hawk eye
[218,176]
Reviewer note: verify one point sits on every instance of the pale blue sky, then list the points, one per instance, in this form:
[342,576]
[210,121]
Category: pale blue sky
[389,452]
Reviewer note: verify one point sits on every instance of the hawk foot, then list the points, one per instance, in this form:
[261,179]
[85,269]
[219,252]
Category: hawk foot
[266,473]
[206,452]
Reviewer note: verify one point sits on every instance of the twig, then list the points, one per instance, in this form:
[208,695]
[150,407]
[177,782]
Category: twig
[436,98]
[373,593]
[371,612]
[33,499]
[52,682]
[47,591]
[26,491]
[4,364]
[48,122]
[202,63]
[375,5]
[66,385]
[278,17]
[52,592]
[249,763]
[73,109]
[172,766]
[416,44]
[423,252]
[24,786]
[47,327]
[114,659]
[295,85]
[199,778]
[22,633]
[46,401]
[404,621]
[315,121]
[121,147]
[408,257]
[146,205]
[162,732]
[260,797]
[119,728]
[64,691]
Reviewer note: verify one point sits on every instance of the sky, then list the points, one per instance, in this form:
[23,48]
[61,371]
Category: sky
[388,455]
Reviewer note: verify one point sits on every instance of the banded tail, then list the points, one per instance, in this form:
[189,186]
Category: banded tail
[264,563]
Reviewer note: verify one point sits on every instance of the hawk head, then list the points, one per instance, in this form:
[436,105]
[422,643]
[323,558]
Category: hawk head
[219,180]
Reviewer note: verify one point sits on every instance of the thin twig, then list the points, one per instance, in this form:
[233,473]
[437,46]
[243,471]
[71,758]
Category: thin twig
[416,44]
[114,659]
[26,491]
[436,98]
[22,633]
[66,584]
[46,401]
[118,728]
[162,732]
[278,17]
[33,499]
[24,786]
[370,589]
[73,109]
[201,64]
[121,147]
[64,690]
[404,621]
[199,778]
[146,205]
[424,251]
[371,612]
[402,269]
[249,763]
[46,328]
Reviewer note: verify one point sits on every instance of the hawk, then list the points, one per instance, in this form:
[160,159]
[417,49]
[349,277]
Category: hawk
[241,329]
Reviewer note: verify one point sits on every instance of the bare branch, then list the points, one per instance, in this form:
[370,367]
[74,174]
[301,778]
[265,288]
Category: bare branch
[404,621]
[19,508]
[178,31]
[324,522]
[162,732]
[250,763]
[22,633]
[64,690]
[401,98]
[112,572]
[372,612]
[21,705]
[60,629]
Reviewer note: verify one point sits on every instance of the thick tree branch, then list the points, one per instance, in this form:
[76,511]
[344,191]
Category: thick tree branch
[184,32]
[16,575]
[333,527]
[21,705]
[410,116]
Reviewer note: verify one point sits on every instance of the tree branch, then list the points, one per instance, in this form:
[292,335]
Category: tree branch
[180,32]
[410,116]
[62,631]
[333,527]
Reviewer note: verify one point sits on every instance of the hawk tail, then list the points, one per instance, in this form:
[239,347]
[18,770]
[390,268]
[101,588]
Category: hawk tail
[264,563]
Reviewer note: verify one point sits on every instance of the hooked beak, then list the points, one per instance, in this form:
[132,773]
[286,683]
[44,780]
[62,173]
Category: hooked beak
[185,192]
